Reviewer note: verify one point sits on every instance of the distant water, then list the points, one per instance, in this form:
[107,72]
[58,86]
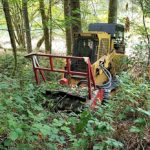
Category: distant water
[58,44]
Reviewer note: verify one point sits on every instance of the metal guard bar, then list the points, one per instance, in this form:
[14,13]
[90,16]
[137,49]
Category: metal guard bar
[37,69]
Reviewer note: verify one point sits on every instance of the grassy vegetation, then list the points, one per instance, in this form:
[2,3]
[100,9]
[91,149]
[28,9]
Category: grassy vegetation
[24,124]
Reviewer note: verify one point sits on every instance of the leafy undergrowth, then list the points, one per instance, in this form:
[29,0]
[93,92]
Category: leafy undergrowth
[24,124]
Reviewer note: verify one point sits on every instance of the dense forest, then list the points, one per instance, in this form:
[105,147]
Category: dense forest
[111,37]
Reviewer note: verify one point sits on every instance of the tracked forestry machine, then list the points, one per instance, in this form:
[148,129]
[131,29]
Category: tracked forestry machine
[98,55]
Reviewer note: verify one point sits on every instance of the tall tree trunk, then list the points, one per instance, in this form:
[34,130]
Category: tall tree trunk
[39,43]
[26,25]
[50,21]
[146,31]
[45,28]
[17,21]
[67,26]
[75,14]
[112,14]
[10,29]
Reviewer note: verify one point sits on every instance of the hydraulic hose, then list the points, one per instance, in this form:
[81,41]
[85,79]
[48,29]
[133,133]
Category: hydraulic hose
[109,76]
[107,73]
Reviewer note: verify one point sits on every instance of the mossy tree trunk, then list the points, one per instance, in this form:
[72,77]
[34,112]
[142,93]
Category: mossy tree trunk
[6,10]
[112,14]
[26,25]
[45,25]
[17,21]
[145,28]
[50,23]
[76,17]
[67,25]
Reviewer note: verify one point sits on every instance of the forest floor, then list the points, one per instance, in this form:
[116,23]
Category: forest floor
[124,123]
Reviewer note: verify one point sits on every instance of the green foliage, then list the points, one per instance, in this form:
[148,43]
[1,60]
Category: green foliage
[25,124]
[113,143]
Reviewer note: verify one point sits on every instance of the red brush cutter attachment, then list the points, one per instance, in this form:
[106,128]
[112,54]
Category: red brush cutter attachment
[67,100]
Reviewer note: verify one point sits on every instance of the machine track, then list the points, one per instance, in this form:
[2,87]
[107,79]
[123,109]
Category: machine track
[60,100]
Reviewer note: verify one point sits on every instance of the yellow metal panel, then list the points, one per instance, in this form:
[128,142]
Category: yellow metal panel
[111,59]
[115,61]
